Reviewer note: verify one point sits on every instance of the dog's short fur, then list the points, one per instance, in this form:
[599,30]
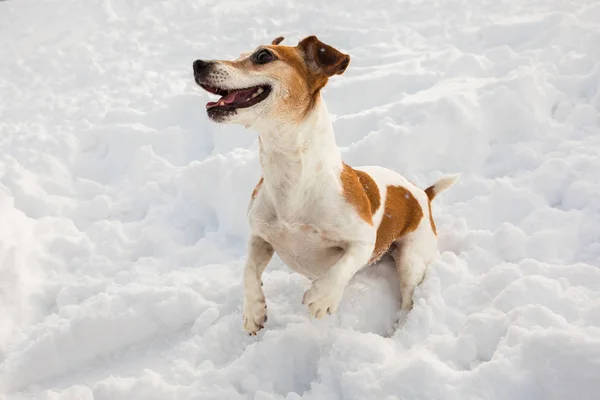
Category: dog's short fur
[325,219]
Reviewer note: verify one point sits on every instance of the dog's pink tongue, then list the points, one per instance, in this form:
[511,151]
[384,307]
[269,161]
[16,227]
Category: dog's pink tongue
[238,96]
[230,98]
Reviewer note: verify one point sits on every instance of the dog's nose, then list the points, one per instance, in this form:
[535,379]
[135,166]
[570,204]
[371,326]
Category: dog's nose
[200,66]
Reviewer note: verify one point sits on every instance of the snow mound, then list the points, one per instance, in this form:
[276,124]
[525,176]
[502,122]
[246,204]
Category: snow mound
[122,207]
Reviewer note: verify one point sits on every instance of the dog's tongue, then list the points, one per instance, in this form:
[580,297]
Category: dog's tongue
[233,97]
[239,96]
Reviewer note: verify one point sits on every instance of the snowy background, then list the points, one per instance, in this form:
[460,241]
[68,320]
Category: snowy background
[122,208]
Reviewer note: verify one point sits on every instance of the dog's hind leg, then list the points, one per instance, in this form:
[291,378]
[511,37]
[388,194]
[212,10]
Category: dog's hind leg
[412,255]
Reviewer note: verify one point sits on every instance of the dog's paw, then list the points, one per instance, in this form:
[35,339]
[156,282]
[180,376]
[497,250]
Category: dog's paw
[322,298]
[255,314]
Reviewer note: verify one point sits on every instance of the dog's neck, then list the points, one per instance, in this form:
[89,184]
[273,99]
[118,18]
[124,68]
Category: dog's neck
[296,159]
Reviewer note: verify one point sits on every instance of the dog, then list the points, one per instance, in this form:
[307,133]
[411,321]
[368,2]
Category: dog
[324,219]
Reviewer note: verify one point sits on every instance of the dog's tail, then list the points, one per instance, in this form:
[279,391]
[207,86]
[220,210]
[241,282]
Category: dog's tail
[441,185]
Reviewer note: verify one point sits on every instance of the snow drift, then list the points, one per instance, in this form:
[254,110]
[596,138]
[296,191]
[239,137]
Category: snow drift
[122,208]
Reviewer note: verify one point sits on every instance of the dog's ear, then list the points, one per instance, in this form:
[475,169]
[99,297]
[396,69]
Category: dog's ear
[322,59]
[277,40]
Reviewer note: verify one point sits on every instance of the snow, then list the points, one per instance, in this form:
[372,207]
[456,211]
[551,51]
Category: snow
[122,206]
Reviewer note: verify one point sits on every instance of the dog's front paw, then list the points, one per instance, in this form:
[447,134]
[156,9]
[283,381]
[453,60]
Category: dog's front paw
[322,298]
[255,314]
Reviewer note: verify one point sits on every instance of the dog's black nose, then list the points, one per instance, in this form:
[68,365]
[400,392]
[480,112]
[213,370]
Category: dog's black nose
[200,66]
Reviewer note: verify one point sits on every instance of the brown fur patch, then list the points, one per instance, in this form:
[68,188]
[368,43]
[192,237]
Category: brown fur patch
[430,192]
[312,63]
[431,220]
[322,59]
[257,188]
[401,215]
[289,69]
[361,191]
[302,86]
[370,188]
[303,70]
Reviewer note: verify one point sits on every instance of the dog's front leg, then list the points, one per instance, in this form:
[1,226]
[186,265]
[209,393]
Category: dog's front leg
[260,253]
[325,294]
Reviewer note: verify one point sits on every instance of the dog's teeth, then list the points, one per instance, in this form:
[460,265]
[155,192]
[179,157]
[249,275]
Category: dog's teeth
[259,91]
[221,103]
[254,95]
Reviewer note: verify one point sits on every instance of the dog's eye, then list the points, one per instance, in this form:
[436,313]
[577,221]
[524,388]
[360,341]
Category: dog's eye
[262,57]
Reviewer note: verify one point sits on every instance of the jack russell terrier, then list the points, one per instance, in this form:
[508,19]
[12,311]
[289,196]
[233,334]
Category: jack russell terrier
[325,219]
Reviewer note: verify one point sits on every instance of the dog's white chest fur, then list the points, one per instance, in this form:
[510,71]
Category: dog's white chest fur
[304,245]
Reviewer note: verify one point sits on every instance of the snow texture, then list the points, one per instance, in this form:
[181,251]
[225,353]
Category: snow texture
[122,207]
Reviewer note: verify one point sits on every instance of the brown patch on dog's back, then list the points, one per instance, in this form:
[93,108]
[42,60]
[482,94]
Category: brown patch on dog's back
[401,215]
[370,188]
[361,191]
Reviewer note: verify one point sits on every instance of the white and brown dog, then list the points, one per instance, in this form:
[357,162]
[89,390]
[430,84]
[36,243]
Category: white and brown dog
[325,219]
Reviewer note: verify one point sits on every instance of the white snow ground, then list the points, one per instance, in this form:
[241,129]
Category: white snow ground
[122,208]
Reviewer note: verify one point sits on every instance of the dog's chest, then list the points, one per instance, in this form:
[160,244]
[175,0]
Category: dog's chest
[307,248]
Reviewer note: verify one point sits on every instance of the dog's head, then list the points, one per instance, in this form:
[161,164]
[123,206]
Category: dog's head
[273,83]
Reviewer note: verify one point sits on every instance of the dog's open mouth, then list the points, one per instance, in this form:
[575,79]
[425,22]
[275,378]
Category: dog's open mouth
[238,98]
